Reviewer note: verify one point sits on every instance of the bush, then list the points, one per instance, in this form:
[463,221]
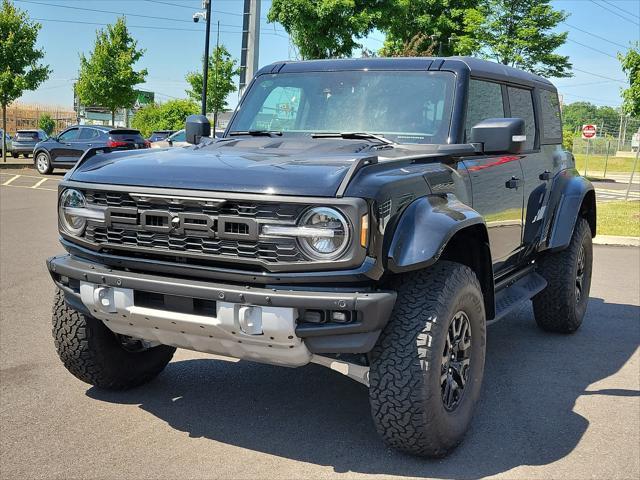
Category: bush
[166,116]
[46,123]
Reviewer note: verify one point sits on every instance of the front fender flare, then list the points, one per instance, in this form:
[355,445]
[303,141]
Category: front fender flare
[424,229]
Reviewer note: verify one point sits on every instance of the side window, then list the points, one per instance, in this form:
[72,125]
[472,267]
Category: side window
[279,110]
[88,134]
[550,110]
[485,101]
[69,135]
[521,105]
[180,136]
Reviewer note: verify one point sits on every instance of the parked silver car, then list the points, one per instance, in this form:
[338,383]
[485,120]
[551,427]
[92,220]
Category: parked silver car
[25,141]
[8,141]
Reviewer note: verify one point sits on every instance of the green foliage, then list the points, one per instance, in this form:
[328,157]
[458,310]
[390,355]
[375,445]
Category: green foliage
[519,33]
[222,70]
[167,116]
[577,114]
[568,136]
[107,77]
[631,66]
[326,28]
[424,27]
[20,67]
[46,123]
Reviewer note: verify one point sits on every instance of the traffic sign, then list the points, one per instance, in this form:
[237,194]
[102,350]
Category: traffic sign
[589,131]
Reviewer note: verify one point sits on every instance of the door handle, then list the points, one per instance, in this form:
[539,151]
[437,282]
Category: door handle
[515,182]
[546,175]
[89,144]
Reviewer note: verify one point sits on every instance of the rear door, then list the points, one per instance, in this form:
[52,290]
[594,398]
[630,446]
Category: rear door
[496,180]
[62,150]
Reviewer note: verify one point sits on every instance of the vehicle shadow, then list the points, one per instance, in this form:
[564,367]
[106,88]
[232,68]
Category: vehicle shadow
[311,414]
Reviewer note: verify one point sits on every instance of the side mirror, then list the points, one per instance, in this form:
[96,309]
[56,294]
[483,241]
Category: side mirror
[500,135]
[170,142]
[197,126]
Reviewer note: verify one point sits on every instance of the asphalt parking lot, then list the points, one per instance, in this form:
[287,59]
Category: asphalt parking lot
[553,406]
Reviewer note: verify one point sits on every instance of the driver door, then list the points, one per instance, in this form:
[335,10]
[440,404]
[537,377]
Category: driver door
[64,149]
[497,181]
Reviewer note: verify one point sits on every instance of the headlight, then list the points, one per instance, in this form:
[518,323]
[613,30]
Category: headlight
[328,233]
[71,203]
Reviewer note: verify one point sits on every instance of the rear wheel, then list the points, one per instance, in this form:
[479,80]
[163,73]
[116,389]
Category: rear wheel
[95,355]
[561,306]
[43,163]
[15,154]
[426,369]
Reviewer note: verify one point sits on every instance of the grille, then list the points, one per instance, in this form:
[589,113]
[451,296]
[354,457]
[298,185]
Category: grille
[135,221]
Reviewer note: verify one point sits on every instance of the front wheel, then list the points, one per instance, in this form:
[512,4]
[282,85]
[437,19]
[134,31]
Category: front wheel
[561,306]
[96,355]
[426,369]
[43,163]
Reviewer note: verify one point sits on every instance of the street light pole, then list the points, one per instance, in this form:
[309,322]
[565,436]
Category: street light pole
[205,74]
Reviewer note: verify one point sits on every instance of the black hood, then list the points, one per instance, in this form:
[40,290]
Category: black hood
[267,165]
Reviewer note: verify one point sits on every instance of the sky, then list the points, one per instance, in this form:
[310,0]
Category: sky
[598,30]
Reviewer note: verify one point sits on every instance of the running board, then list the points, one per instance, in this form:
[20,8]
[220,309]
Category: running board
[510,298]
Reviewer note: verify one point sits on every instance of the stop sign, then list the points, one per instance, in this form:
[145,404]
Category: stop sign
[588,131]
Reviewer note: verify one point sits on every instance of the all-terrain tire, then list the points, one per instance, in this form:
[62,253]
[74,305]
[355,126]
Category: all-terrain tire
[560,307]
[406,369]
[91,352]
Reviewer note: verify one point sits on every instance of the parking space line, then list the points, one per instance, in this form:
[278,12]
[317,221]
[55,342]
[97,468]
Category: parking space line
[39,182]
[30,188]
[8,182]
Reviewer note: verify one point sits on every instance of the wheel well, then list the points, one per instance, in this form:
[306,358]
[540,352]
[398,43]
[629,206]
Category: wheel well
[470,247]
[588,210]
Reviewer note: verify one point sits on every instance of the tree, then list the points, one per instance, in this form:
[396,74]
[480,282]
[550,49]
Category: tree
[20,67]
[167,116]
[107,78]
[222,70]
[631,66]
[326,28]
[518,33]
[46,123]
[576,114]
[424,27]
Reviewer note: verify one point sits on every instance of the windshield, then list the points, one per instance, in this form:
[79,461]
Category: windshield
[403,106]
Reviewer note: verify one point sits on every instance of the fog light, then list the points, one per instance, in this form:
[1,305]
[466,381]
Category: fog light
[340,317]
[313,316]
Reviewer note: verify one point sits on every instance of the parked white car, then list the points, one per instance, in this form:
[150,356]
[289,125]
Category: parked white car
[178,139]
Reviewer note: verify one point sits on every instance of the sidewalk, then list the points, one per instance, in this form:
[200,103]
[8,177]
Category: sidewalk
[617,240]
[17,163]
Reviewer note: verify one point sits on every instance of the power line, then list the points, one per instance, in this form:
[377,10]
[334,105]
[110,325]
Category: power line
[600,76]
[598,100]
[596,36]
[621,9]
[150,27]
[592,48]
[192,8]
[583,84]
[114,13]
[615,13]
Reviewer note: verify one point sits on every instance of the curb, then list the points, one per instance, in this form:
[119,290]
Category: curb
[16,165]
[617,240]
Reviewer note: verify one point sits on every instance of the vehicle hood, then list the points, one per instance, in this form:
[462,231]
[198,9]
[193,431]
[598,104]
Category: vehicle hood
[266,165]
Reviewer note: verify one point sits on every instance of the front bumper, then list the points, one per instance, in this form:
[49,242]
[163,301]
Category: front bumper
[219,331]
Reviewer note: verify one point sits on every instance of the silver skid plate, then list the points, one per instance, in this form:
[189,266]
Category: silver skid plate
[223,334]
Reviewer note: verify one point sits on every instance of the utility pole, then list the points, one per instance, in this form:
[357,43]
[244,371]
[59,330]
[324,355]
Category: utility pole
[215,79]
[206,4]
[250,42]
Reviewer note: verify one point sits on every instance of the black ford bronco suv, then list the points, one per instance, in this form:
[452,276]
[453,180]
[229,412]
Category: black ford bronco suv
[370,215]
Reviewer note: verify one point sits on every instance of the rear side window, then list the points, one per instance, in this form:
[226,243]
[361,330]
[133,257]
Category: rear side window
[88,134]
[550,109]
[521,105]
[485,101]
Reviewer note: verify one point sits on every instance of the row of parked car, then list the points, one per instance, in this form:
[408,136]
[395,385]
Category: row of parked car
[64,150]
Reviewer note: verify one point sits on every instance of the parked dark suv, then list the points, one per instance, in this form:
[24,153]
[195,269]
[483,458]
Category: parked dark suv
[25,141]
[158,135]
[64,150]
[369,215]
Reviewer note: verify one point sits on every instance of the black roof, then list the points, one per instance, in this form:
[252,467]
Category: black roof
[474,66]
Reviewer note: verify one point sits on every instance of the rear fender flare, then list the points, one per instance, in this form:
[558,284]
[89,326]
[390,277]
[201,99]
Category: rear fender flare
[570,192]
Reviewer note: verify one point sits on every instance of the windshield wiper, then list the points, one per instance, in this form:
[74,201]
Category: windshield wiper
[355,135]
[257,133]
